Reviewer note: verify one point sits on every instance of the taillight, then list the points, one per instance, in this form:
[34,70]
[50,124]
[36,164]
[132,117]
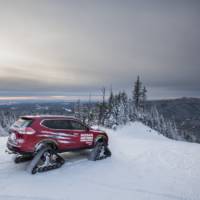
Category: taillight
[16,139]
[27,131]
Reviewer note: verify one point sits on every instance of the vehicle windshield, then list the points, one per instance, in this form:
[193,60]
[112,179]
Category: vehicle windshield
[22,123]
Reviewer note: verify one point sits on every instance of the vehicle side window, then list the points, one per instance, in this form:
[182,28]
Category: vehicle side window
[77,126]
[57,124]
[48,123]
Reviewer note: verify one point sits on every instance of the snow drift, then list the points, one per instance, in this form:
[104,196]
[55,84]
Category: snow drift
[144,165]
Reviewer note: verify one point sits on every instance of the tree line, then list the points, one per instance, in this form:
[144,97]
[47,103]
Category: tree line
[118,109]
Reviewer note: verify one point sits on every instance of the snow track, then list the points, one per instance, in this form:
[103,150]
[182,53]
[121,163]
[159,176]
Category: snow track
[144,166]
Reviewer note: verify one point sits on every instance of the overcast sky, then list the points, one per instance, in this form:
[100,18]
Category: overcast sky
[63,47]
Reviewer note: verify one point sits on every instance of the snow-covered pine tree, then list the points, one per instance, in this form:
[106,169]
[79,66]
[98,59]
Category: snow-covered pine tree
[143,98]
[7,119]
[109,114]
[123,108]
[172,131]
[110,101]
[157,121]
[137,93]
[102,108]
[90,114]
[116,109]
[131,110]
[163,125]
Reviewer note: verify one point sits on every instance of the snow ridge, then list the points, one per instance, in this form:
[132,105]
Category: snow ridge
[144,166]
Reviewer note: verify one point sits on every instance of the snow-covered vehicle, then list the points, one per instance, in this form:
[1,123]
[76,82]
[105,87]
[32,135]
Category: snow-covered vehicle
[41,139]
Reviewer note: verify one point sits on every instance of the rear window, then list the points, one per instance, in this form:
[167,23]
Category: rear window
[22,123]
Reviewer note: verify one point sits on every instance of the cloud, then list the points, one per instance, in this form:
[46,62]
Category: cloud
[81,46]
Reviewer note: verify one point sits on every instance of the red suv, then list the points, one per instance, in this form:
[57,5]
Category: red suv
[41,138]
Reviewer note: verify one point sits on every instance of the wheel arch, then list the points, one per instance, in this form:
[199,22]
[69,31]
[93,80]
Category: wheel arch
[100,138]
[46,142]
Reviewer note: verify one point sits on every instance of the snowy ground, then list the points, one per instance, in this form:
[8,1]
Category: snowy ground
[144,166]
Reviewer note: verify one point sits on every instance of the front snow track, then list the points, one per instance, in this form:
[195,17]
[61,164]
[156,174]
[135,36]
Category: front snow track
[100,152]
[144,166]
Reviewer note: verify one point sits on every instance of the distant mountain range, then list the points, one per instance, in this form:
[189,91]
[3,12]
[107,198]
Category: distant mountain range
[185,112]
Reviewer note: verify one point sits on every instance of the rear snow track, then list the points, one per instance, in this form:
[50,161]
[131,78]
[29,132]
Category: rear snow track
[144,166]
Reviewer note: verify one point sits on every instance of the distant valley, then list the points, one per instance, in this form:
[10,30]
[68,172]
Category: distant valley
[185,112]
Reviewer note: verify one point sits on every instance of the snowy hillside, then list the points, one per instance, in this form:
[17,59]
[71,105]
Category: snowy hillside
[144,166]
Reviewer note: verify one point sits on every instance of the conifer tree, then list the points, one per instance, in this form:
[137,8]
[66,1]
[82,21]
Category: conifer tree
[102,108]
[137,93]
[143,98]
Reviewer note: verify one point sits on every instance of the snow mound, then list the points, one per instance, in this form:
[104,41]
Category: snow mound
[144,166]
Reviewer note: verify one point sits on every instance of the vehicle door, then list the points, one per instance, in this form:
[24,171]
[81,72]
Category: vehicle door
[84,139]
[60,131]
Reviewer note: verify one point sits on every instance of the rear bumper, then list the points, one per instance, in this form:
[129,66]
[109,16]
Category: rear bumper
[14,149]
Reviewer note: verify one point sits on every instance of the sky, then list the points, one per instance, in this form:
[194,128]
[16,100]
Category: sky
[58,48]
